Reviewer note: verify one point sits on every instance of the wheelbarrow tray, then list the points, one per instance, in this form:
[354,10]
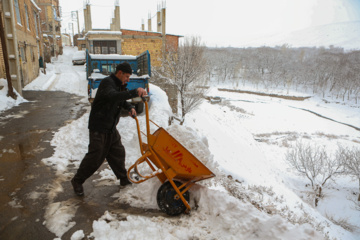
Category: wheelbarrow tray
[173,155]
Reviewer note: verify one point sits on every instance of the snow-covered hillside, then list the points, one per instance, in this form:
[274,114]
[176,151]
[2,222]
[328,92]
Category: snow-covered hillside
[344,34]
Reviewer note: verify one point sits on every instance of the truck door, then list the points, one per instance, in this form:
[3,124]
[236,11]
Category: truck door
[143,64]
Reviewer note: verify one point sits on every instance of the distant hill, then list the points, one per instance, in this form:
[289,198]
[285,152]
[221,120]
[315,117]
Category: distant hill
[345,35]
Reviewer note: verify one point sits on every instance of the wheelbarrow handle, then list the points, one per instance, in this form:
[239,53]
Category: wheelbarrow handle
[145,98]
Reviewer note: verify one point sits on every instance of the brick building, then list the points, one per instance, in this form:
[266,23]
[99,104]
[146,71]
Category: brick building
[117,40]
[23,40]
[50,18]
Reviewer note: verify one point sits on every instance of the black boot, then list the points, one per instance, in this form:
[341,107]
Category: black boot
[124,182]
[78,188]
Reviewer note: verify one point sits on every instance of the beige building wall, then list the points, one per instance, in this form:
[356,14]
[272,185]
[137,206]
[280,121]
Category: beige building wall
[51,26]
[81,44]
[29,41]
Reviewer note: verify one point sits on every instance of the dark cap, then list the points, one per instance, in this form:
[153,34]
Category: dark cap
[124,67]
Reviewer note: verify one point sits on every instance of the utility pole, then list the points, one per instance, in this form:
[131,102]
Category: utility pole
[6,59]
[78,25]
[73,18]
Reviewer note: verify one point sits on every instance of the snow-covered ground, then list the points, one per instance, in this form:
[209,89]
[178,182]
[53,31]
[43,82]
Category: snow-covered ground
[243,140]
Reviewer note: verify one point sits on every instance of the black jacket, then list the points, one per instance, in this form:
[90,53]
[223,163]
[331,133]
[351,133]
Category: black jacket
[109,100]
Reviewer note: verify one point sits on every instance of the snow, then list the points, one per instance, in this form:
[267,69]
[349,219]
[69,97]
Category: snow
[5,101]
[79,55]
[243,140]
[104,32]
[112,56]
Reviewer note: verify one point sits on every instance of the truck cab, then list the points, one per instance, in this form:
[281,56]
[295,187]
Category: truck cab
[99,66]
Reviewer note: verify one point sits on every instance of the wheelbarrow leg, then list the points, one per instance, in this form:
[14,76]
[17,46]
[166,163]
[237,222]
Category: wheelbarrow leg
[180,195]
[167,201]
[170,177]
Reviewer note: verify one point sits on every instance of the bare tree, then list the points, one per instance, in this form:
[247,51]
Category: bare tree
[351,161]
[186,69]
[314,163]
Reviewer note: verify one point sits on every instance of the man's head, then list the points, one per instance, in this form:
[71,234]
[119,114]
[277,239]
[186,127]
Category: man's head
[123,72]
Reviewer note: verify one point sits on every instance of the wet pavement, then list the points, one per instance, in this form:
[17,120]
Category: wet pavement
[28,187]
[25,134]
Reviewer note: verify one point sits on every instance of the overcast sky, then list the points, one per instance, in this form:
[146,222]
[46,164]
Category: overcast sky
[219,23]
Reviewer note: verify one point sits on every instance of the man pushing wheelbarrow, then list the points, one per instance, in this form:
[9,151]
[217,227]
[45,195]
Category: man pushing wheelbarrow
[176,168]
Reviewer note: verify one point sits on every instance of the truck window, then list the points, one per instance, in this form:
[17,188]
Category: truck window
[106,69]
[113,67]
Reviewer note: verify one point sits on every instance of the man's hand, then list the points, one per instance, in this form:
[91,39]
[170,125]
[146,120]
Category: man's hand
[132,112]
[141,92]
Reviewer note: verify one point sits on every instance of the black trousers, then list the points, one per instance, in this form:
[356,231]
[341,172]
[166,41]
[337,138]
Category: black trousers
[103,146]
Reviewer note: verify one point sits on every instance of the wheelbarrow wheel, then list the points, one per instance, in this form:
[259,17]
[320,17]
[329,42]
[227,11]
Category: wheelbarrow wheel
[167,202]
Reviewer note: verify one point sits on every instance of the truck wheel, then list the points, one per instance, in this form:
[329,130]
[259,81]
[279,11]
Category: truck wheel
[139,107]
[167,202]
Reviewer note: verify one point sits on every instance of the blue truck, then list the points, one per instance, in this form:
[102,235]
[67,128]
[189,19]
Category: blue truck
[99,66]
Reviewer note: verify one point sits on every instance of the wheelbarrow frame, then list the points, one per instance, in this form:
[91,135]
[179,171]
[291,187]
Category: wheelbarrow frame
[159,165]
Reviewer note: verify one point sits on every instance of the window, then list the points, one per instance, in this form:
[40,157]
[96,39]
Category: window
[97,50]
[22,54]
[104,50]
[18,17]
[105,47]
[36,24]
[106,69]
[32,54]
[27,17]
[112,50]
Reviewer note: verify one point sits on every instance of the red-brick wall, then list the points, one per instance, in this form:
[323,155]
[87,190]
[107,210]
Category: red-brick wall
[151,41]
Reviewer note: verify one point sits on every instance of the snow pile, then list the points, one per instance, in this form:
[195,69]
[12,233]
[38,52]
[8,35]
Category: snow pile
[5,101]
[222,217]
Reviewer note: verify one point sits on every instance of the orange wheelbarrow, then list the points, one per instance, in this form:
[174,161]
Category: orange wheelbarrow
[176,168]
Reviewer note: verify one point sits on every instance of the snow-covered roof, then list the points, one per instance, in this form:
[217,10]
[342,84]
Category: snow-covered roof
[168,34]
[97,76]
[112,56]
[81,39]
[103,32]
